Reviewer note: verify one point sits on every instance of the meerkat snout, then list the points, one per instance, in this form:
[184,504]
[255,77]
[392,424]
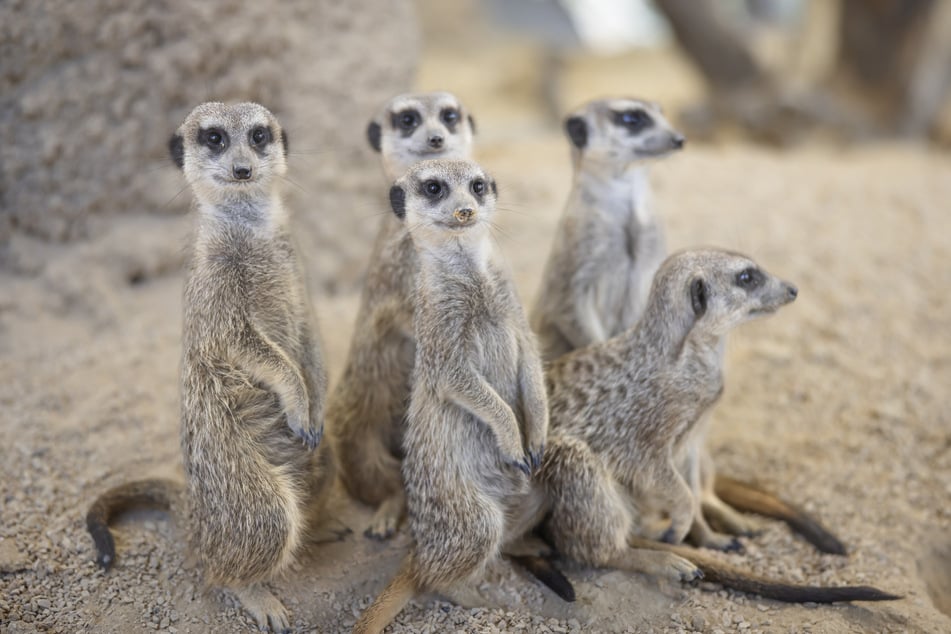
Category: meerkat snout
[435,141]
[241,172]
[678,141]
[463,215]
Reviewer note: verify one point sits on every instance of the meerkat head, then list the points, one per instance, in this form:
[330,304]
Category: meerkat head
[717,290]
[620,131]
[420,126]
[444,199]
[230,152]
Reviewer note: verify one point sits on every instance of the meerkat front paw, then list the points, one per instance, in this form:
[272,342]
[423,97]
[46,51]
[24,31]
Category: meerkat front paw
[302,427]
[536,453]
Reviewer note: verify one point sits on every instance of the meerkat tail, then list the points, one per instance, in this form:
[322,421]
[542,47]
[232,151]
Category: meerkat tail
[151,493]
[398,592]
[545,571]
[750,499]
[744,581]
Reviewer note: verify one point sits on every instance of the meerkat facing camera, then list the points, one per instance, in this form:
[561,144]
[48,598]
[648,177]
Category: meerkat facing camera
[478,417]
[253,380]
[367,406]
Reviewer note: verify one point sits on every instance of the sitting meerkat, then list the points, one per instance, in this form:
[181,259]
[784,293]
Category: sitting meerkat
[607,249]
[367,406]
[623,415]
[610,241]
[478,416]
[253,380]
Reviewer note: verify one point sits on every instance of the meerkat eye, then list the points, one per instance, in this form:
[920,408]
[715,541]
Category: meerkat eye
[432,188]
[406,120]
[215,139]
[632,119]
[478,187]
[260,135]
[450,116]
[749,278]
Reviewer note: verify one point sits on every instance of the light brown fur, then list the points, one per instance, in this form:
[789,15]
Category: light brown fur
[253,381]
[478,417]
[610,240]
[367,407]
[624,414]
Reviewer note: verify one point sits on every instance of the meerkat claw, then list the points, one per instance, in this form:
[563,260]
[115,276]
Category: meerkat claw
[535,457]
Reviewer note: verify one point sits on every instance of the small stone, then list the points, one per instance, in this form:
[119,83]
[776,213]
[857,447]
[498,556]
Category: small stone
[698,622]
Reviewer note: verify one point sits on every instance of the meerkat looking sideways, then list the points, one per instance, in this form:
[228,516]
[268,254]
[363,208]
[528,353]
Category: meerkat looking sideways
[368,404]
[253,381]
[610,241]
[620,466]
[478,416]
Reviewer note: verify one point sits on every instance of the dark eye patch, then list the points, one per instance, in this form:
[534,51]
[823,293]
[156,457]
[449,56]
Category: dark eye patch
[450,117]
[634,119]
[750,278]
[478,187]
[434,189]
[215,139]
[406,120]
[259,137]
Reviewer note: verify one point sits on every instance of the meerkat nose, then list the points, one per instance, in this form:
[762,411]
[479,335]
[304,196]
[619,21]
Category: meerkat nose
[435,141]
[241,173]
[678,141]
[791,291]
[463,215]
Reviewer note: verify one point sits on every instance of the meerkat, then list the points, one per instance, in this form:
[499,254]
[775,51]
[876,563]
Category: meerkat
[478,416]
[623,413]
[597,277]
[367,406]
[252,380]
[610,240]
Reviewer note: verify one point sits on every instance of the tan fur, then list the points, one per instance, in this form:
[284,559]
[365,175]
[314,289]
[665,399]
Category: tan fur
[253,381]
[367,406]
[624,412]
[610,240]
[478,417]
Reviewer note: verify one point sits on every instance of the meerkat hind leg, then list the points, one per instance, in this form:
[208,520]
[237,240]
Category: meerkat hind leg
[727,519]
[266,609]
[655,562]
[387,518]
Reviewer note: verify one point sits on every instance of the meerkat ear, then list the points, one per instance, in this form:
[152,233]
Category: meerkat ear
[398,201]
[577,131]
[373,135]
[698,296]
[176,149]
[472,125]
[284,141]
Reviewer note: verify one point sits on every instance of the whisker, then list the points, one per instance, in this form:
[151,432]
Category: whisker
[177,194]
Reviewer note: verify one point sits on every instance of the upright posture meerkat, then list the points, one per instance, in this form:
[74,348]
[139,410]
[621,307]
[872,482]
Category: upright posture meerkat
[478,417]
[610,242]
[367,406]
[608,247]
[253,381]
[623,413]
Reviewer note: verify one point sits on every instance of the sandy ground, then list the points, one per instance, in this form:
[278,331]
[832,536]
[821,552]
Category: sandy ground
[839,402]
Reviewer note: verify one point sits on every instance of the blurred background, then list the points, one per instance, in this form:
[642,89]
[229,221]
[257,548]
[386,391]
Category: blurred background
[773,71]
[818,135]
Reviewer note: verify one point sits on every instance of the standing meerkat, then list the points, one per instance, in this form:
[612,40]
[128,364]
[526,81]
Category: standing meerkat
[609,242]
[623,415]
[253,381]
[368,404]
[478,417]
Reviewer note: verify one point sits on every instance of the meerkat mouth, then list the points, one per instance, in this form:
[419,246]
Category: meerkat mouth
[234,182]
